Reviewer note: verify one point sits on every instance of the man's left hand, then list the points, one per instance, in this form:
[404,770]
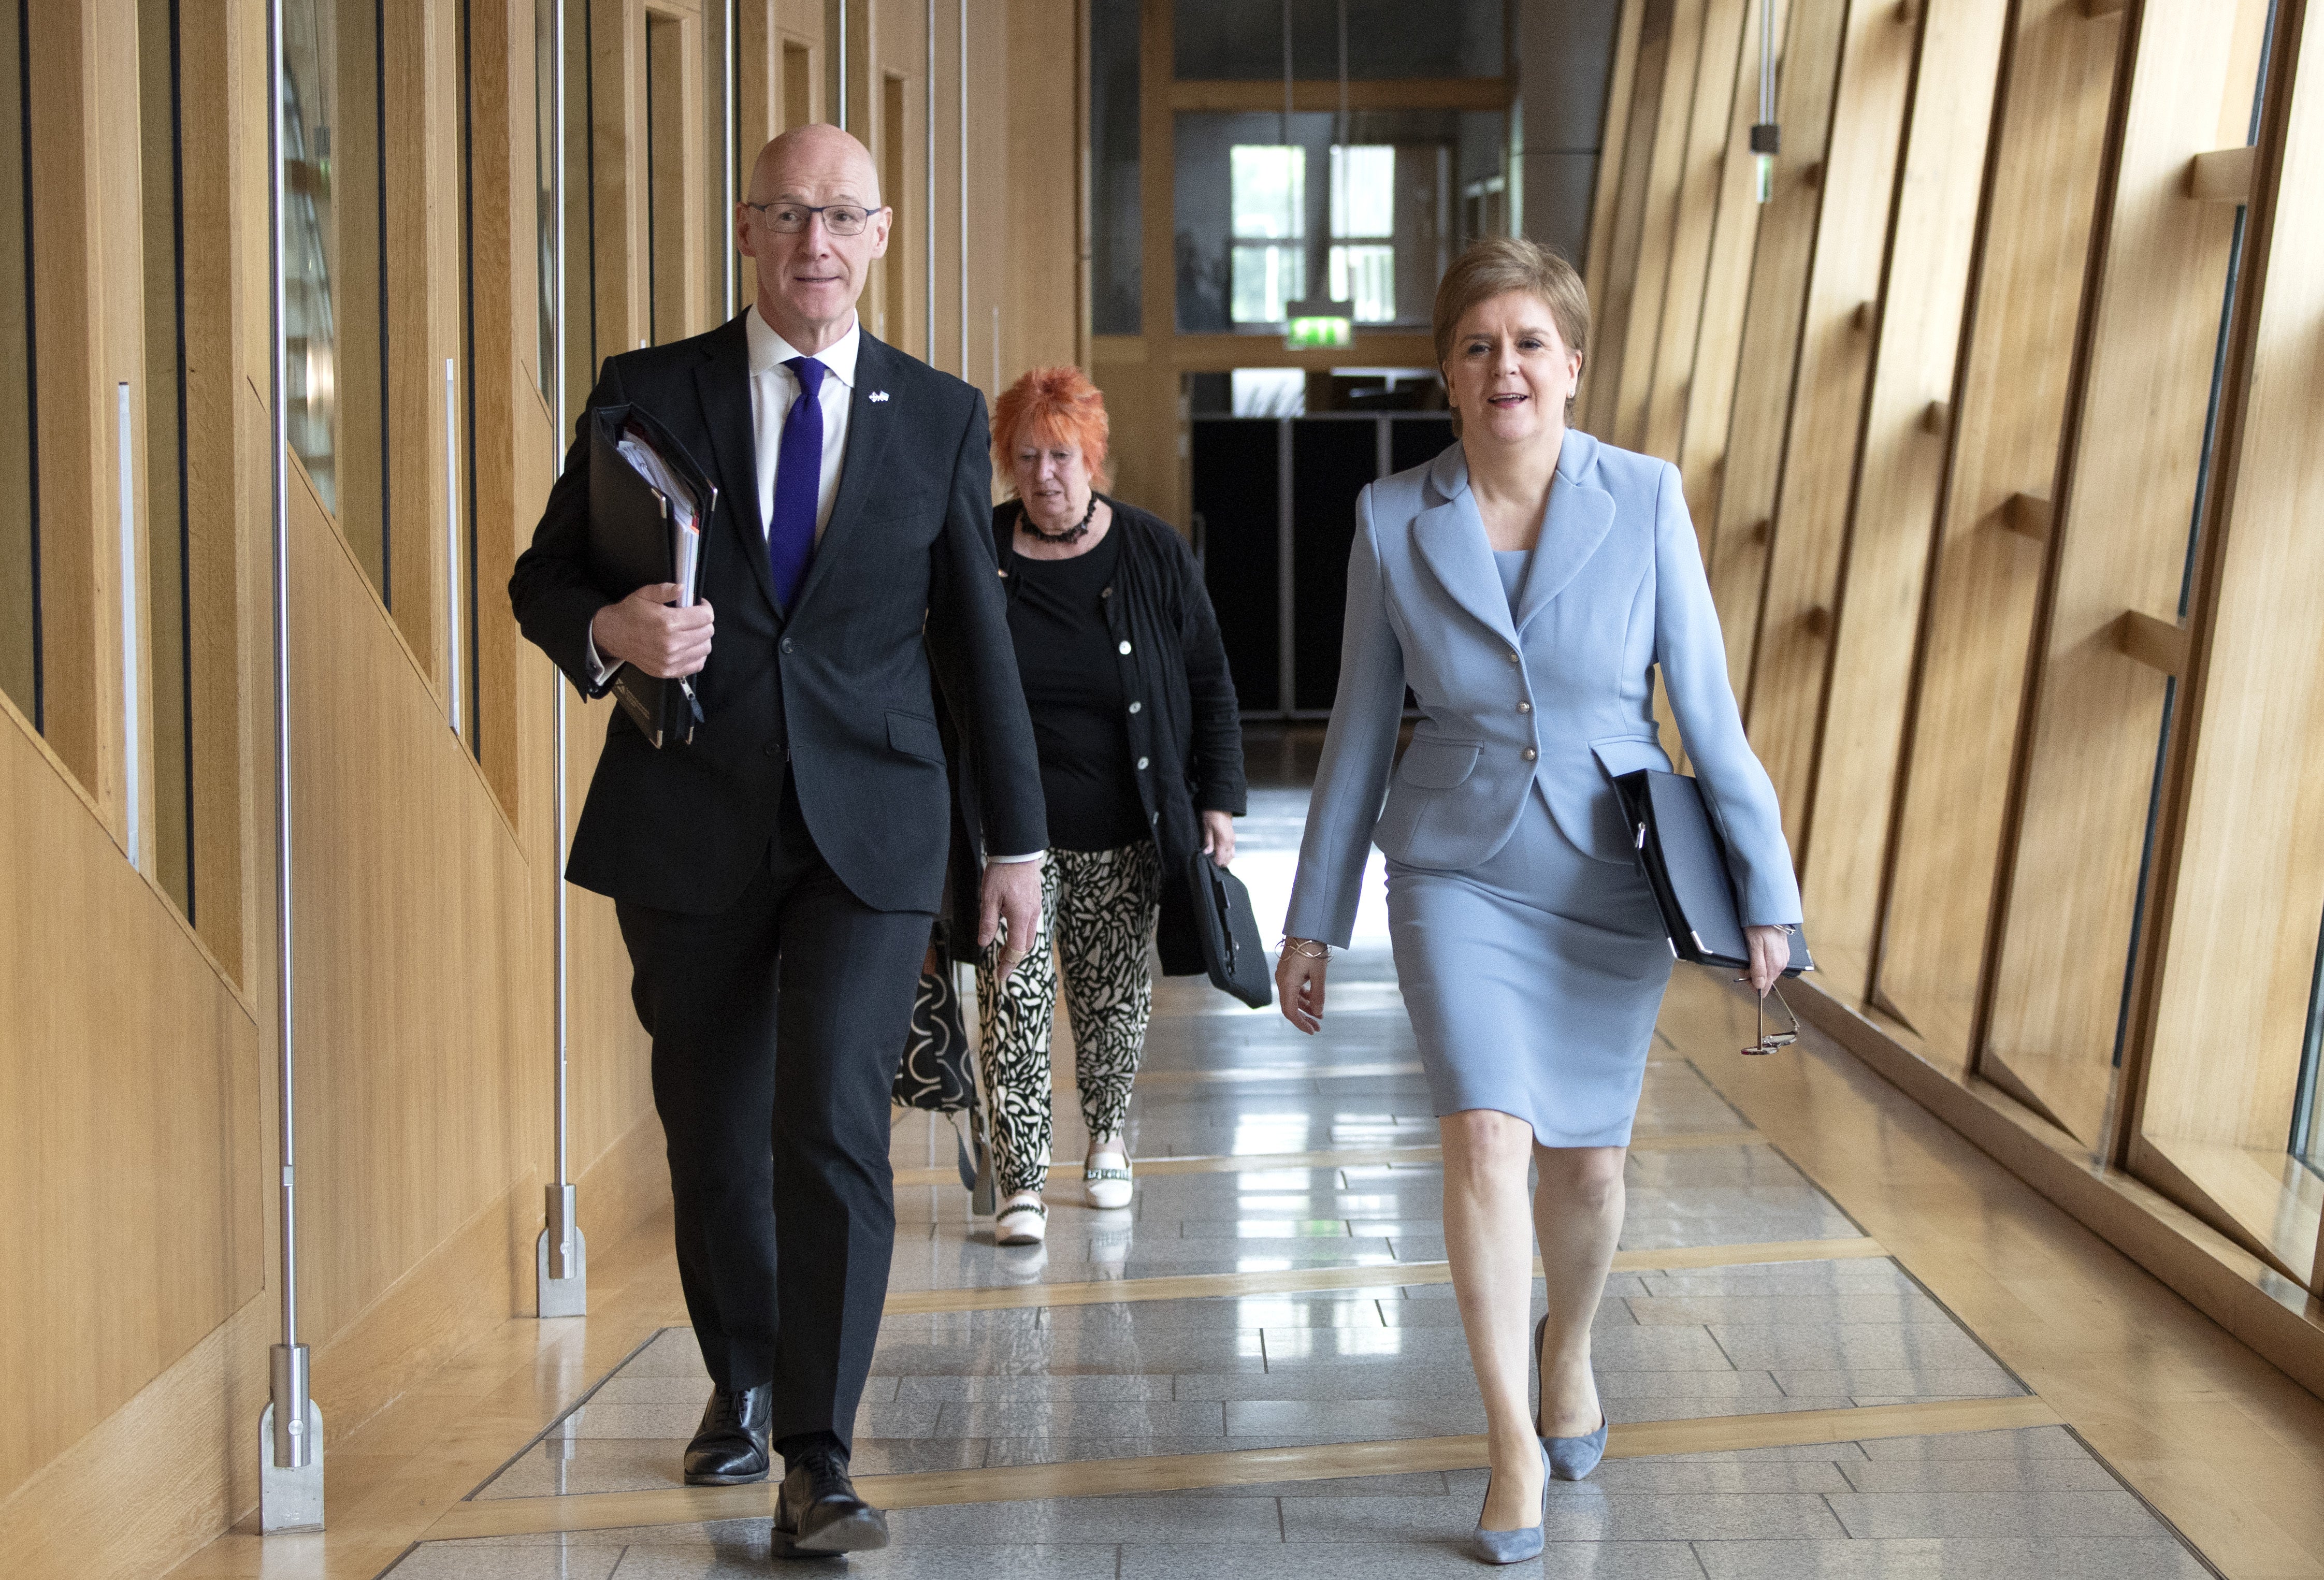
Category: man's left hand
[1012,894]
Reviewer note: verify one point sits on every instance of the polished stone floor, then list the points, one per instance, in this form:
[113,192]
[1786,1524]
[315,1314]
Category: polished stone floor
[981,1388]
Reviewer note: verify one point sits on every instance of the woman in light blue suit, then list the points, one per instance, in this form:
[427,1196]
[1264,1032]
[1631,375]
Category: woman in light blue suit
[1525,585]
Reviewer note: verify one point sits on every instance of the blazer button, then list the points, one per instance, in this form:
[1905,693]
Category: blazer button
[1513,655]
[1141,764]
[1525,707]
[786,644]
[1529,754]
[1123,649]
[1136,707]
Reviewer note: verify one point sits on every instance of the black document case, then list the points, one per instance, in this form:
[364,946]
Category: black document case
[634,542]
[1685,859]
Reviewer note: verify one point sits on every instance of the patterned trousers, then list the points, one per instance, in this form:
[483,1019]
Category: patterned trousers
[1098,910]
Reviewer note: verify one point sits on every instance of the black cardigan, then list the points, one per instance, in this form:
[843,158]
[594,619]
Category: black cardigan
[1188,724]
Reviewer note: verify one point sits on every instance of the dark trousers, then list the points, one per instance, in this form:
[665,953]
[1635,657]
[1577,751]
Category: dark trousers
[777,1029]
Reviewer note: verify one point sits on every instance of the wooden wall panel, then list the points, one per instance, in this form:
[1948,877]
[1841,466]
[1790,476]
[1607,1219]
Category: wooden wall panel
[1798,614]
[1907,424]
[129,1078]
[412,938]
[1771,326]
[1047,122]
[2142,397]
[2010,398]
[2237,931]
[1621,239]
[1710,395]
[1711,135]
[1639,336]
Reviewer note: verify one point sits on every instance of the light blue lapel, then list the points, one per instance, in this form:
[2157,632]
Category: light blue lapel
[1580,515]
[1451,539]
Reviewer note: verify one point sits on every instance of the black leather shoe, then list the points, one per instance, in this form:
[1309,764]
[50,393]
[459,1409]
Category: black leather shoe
[730,1447]
[817,1513]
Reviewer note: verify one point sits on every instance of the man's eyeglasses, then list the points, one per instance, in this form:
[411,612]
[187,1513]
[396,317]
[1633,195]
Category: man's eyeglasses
[840,219]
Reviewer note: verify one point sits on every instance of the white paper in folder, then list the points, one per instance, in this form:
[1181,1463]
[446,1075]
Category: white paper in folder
[686,532]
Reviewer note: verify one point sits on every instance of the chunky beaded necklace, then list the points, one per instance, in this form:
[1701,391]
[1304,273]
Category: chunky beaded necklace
[1073,534]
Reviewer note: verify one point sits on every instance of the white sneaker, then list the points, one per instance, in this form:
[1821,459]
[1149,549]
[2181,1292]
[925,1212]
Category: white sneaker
[1021,1221]
[1108,1185]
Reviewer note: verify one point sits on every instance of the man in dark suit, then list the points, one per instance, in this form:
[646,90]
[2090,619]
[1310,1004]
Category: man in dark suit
[776,878]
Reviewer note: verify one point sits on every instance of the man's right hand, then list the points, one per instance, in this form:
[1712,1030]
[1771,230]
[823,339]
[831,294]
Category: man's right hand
[647,630]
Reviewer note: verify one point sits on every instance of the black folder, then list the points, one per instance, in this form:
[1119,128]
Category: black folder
[1679,848]
[632,544]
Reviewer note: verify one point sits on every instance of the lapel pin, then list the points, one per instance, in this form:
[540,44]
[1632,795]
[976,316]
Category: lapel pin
[878,395]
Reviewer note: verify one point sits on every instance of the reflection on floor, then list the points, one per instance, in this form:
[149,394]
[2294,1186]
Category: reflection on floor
[1736,1346]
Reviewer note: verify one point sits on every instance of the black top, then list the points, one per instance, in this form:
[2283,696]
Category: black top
[1172,667]
[1072,688]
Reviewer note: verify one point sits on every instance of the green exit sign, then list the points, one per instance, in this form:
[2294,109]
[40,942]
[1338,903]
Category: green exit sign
[1320,334]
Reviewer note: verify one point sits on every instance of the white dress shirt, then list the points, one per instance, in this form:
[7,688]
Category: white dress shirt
[774,388]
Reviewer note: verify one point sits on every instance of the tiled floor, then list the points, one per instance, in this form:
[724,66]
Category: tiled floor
[995,1387]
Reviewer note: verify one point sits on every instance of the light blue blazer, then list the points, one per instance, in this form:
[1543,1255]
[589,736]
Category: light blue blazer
[1561,697]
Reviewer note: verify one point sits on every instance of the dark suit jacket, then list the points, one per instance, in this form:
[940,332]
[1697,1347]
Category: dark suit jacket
[904,578]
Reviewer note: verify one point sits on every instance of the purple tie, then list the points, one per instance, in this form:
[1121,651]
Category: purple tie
[798,478]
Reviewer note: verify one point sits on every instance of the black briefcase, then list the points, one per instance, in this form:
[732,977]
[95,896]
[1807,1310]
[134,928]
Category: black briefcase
[1678,849]
[1232,950]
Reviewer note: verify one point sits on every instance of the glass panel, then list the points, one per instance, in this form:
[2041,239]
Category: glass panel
[310,329]
[1116,278]
[20,530]
[335,266]
[544,158]
[2308,1114]
[161,189]
[1238,40]
[1249,217]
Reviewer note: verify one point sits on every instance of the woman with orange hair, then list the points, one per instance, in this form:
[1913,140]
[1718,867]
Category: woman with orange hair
[1142,763]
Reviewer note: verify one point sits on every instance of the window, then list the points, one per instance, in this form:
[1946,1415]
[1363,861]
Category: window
[1363,210]
[334,268]
[19,495]
[1269,200]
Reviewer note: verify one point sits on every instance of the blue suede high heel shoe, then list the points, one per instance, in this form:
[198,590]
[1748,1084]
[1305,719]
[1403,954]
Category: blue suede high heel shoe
[1511,1546]
[1570,1458]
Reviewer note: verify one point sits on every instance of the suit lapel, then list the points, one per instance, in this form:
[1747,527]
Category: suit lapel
[1451,541]
[868,428]
[1580,516]
[723,384]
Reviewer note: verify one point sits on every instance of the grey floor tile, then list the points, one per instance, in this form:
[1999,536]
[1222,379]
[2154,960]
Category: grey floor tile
[1902,1306]
[1852,1347]
[2055,1474]
[2023,1443]
[1437,1552]
[1705,1474]
[1596,1516]
[1038,1387]
[1090,1419]
[2106,1512]
[904,1560]
[1357,1419]
[1904,1383]
[1183,1518]
[1957,1558]
[438,1561]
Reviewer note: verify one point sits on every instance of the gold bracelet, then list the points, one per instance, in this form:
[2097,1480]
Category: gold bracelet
[1322,951]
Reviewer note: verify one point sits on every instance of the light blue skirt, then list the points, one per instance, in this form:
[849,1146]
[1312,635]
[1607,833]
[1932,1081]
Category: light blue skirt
[1533,980]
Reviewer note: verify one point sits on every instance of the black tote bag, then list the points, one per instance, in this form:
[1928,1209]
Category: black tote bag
[1232,952]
